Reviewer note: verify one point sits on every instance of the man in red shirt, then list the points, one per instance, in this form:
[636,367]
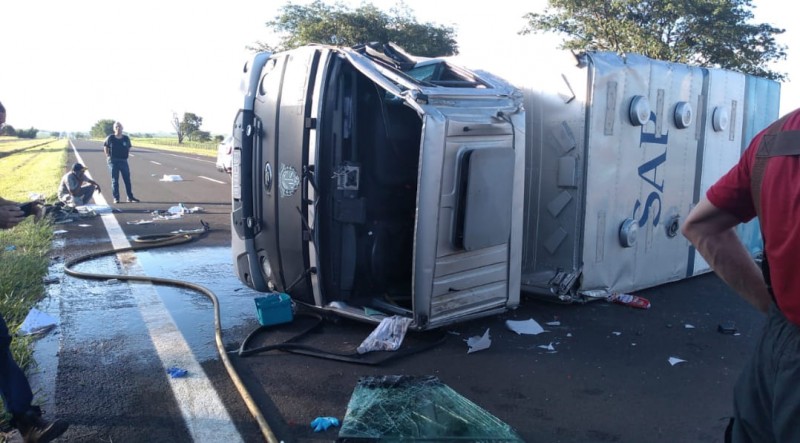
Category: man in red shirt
[765,182]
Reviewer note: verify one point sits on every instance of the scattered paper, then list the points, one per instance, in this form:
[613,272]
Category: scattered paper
[675,360]
[617,333]
[688,326]
[525,327]
[140,222]
[171,178]
[548,347]
[553,323]
[479,343]
[36,322]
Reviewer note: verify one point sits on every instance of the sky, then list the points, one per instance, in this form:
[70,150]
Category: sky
[64,65]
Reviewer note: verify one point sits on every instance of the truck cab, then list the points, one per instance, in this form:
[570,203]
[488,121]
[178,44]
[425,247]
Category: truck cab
[371,183]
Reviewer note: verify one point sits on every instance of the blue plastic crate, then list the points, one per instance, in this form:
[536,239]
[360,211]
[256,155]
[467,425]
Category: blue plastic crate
[274,309]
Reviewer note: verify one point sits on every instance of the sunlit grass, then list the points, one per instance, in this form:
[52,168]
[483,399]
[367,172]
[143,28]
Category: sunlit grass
[34,170]
[208,149]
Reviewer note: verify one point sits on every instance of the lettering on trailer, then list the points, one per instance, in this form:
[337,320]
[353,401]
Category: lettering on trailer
[649,140]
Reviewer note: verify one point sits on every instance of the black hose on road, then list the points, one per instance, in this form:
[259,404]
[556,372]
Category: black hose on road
[162,240]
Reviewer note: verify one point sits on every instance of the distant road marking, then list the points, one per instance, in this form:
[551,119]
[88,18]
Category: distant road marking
[155,163]
[203,411]
[212,180]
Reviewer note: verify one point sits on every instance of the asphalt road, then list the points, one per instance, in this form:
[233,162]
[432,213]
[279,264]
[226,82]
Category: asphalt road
[601,372]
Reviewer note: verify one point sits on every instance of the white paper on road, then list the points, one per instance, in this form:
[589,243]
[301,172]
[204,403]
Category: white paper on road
[171,178]
[479,343]
[530,327]
[675,360]
[36,322]
[548,347]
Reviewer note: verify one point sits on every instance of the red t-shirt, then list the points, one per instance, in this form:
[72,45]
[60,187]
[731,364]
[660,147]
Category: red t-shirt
[780,202]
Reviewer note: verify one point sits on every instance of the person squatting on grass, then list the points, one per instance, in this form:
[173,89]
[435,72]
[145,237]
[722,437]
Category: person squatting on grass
[765,183]
[14,386]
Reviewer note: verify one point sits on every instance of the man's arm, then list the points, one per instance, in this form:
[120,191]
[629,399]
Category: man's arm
[10,214]
[106,147]
[712,231]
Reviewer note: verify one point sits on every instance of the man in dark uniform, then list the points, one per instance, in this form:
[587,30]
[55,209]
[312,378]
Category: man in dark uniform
[117,146]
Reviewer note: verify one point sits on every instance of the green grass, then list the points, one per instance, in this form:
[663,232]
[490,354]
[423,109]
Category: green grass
[208,149]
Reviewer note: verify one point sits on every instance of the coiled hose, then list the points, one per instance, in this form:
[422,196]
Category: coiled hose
[161,240]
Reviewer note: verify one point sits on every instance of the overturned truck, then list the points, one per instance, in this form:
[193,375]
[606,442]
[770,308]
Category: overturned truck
[370,183]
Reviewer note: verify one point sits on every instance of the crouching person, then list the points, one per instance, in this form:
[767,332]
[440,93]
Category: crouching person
[72,191]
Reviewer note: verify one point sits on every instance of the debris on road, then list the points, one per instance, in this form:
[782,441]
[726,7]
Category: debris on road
[477,343]
[323,423]
[176,372]
[406,408]
[548,347]
[387,336]
[675,360]
[36,322]
[727,327]
[171,178]
[631,300]
[529,327]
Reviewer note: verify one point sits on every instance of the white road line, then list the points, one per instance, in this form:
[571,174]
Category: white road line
[211,179]
[202,409]
[155,163]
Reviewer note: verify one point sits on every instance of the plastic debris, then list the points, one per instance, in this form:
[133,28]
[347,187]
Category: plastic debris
[387,336]
[530,327]
[631,300]
[60,231]
[11,248]
[36,322]
[176,372]
[140,222]
[479,343]
[675,360]
[688,326]
[548,347]
[83,225]
[323,423]
[553,323]
[727,327]
[171,178]
[617,333]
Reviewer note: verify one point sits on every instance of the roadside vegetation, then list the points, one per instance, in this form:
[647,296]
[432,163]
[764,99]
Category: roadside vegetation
[208,149]
[30,167]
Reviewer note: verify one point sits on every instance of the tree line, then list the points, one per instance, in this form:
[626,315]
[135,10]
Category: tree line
[706,33]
